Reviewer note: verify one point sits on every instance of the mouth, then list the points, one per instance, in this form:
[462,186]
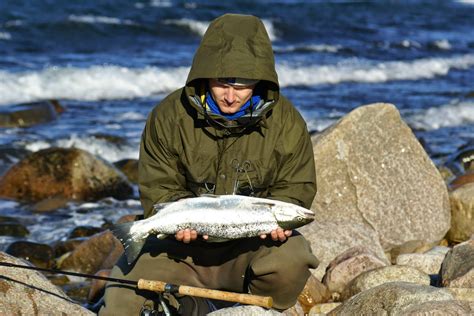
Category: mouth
[308,217]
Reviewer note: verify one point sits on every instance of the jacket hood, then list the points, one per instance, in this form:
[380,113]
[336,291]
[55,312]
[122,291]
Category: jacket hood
[234,45]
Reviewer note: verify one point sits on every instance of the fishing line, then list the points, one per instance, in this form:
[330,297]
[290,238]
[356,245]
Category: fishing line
[84,275]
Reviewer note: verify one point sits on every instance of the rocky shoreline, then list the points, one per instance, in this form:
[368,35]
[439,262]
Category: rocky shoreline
[393,231]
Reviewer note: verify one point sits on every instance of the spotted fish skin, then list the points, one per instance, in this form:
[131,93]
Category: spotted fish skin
[221,217]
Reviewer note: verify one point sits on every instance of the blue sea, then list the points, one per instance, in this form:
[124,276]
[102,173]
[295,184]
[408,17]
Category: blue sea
[110,62]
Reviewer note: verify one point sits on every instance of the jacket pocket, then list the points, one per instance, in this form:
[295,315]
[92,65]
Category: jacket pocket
[200,173]
[254,179]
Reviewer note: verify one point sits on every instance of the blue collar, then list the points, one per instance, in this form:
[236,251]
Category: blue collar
[247,107]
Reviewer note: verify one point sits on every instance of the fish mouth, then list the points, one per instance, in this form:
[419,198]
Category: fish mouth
[309,215]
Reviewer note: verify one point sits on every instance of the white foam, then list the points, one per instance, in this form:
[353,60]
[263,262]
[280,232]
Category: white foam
[325,48]
[13,23]
[466,1]
[130,116]
[89,84]
[197,27]
[114,82]
[5,36]
[409,43]
[93,19]
[442,44]
[161,3]
[97,146]
[200,27]
[356,70]
[453,114]
[271,30]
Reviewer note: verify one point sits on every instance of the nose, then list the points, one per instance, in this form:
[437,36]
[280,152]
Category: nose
[229,95]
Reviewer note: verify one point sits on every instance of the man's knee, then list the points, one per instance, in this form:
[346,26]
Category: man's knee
[282,271]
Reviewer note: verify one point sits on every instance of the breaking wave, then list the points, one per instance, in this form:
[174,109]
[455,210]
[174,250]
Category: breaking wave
[454,114]
[97,146]
[92,19]
[115,82]
[200,27]
[89,84]
[308,48]
[355,70]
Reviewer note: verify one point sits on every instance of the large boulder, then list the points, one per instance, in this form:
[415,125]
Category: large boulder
[63,172]
[371,169]
[27,292]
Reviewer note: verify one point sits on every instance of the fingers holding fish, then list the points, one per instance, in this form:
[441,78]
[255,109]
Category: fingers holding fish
[187,235]
[278,234]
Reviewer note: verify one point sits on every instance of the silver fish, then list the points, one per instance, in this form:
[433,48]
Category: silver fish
[221,217]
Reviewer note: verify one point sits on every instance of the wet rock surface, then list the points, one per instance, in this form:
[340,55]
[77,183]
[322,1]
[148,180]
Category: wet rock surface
[130,168]
[101,251]
[63,172]
[40,255]
[13,229]
[28,114]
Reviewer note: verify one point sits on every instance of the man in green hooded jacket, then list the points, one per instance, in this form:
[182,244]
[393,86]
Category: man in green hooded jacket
[228,131]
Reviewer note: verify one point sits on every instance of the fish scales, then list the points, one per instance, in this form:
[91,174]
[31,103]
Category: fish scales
[222,217]
[224,223]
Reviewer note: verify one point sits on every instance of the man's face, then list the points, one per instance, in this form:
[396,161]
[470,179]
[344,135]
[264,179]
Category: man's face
[229,98]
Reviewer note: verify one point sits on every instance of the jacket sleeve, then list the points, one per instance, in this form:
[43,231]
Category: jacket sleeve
[296,175]
[160,176]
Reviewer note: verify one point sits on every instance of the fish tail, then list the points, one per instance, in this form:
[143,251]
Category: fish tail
[132,244]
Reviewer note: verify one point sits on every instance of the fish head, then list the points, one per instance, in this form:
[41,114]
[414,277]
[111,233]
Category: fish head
[292,217]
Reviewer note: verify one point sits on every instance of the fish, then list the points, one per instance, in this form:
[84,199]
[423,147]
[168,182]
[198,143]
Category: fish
[221,217]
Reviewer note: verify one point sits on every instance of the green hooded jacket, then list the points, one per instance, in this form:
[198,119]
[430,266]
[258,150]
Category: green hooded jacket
[186,151]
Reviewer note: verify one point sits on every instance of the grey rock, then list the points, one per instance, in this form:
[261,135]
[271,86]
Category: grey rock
[375,277]
[348,265]
[438,308]
[27,292]
[462,213]
[245,311]
[428,262]
[457,269]
[391,299]
[372,170]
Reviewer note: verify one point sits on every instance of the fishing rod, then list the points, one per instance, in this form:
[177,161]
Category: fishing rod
[159,286]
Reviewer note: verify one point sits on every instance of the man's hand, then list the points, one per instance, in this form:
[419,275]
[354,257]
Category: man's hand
[278,234]
[187,235]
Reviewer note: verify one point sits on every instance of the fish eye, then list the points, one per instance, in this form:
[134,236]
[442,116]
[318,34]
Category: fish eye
[299,218]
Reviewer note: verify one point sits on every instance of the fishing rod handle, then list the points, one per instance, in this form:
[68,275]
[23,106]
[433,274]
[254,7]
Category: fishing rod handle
[158,286]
